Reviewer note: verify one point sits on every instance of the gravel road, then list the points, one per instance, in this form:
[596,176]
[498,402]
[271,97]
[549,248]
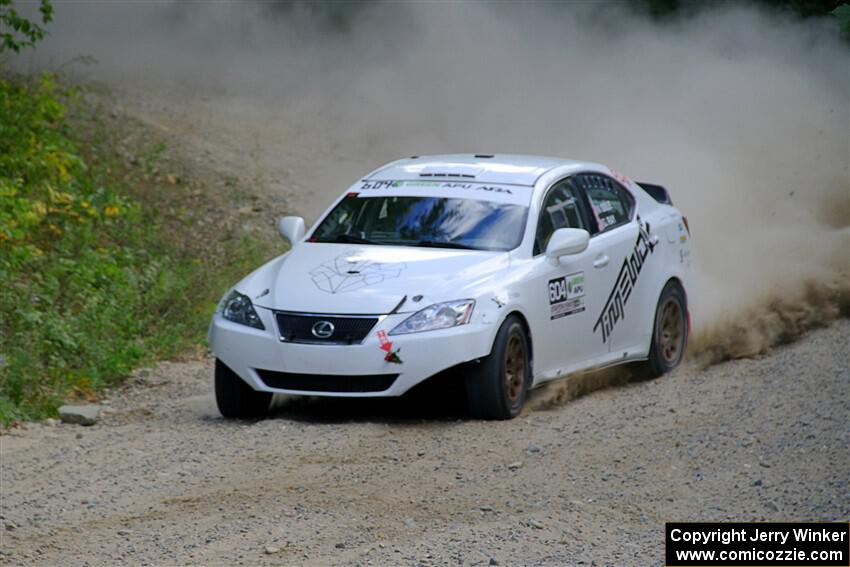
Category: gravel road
[163,480]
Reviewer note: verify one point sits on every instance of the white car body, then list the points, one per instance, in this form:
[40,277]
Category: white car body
[601,313]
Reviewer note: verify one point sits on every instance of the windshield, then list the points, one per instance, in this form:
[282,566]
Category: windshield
[424,221]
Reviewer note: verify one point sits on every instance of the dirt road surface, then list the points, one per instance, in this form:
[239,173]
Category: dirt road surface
[163,480]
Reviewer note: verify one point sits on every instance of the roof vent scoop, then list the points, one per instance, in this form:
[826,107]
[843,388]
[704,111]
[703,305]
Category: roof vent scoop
[464,175]
[450,169]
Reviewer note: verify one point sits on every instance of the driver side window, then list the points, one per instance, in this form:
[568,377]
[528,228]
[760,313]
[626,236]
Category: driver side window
[561,209]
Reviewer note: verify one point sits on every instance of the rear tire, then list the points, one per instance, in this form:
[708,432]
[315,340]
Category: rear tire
[669,333]
[497,386]
[235,398]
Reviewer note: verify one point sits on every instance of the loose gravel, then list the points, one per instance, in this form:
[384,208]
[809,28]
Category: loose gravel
[161,479]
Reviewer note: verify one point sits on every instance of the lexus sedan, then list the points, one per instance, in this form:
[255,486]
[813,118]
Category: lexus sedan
[517,270]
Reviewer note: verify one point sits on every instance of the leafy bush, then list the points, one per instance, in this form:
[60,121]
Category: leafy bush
[842,12]
[90,288]
[17,31]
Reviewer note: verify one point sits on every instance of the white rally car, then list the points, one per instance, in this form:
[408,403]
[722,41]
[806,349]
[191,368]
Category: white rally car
[521,269]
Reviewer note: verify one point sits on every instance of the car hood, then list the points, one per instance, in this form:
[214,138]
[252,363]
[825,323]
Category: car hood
[355,279]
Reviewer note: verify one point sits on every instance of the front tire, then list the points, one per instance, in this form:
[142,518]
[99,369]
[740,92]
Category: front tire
[669,333]
[497,387]
[235,398]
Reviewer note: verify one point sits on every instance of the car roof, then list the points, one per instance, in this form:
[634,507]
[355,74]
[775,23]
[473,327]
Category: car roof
[503,169]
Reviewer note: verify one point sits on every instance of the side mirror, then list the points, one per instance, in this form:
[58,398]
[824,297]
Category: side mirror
[565,242]
[291,229]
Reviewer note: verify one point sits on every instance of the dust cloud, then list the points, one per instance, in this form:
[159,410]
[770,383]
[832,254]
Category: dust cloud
[742,114]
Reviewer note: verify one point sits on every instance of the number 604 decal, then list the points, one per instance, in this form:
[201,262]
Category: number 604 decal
[566,295]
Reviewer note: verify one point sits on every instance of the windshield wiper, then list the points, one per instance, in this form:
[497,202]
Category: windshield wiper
[444,244]
[349,239]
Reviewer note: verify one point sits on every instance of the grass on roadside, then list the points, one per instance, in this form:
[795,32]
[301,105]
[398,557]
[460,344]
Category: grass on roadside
[95,279]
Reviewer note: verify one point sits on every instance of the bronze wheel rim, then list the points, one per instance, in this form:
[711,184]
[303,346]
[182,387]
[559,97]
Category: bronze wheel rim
[672,331]
[515,367]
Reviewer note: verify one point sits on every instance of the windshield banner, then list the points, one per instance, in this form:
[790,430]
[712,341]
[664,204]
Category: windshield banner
[507,194]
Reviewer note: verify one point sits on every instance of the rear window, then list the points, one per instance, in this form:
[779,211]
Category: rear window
[611,205]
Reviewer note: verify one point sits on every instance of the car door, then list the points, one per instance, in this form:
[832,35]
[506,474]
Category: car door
[567,293]
[622,248]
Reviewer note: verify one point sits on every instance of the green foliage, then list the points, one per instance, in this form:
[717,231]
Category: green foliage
[842,12]
[16,31]
[670,8]
[90,288]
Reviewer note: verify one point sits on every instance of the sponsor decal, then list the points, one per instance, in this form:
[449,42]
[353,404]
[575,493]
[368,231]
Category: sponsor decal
[614,309]
[566,295]
[385,341]
[369,185]
[346,273]
[387,346]
[494,189]
[417,184]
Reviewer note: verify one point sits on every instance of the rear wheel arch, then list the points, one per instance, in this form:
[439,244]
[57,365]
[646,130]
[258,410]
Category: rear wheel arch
[675,280]
[672,294]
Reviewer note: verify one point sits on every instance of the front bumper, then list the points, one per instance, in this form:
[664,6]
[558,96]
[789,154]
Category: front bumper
[246,350]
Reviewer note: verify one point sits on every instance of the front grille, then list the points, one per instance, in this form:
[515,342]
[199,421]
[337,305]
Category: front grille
[327,382]
[298,328]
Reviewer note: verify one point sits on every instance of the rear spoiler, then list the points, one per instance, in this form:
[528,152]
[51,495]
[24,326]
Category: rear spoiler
[657,192]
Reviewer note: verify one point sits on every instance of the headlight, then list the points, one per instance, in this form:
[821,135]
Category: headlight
[239,309]
[437,316]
